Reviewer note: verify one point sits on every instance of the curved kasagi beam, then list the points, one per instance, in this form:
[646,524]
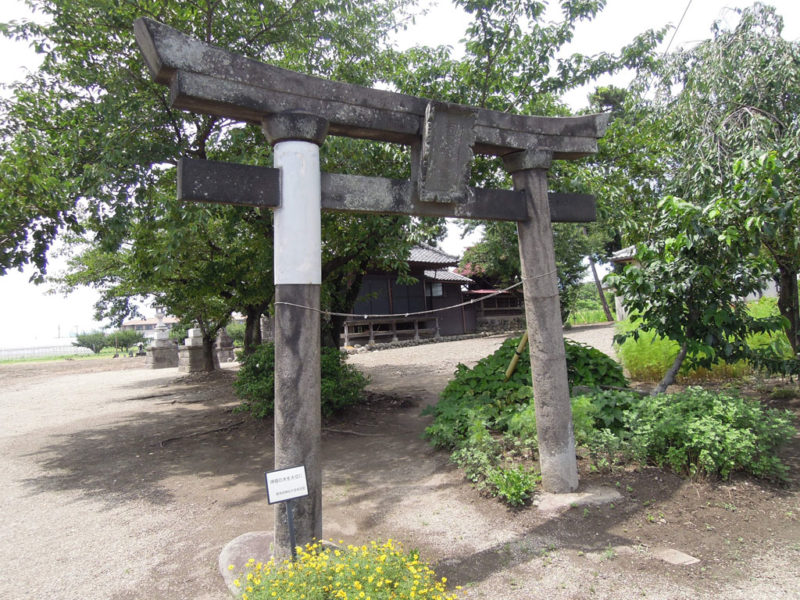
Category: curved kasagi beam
[207,79]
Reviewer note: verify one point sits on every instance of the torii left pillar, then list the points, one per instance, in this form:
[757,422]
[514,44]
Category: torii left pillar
[296,139]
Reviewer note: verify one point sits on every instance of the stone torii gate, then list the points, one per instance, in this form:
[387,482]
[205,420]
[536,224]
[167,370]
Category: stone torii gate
[296,113]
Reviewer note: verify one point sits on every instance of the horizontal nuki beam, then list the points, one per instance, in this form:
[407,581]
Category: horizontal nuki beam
[210,80]
[245,185]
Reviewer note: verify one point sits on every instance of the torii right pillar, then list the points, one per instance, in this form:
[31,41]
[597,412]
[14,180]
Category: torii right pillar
[545,330]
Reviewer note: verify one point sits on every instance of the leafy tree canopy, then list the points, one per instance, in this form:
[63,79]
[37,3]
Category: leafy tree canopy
[719,125]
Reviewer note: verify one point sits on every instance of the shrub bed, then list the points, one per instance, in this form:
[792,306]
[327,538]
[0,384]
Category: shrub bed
[342,385]
[490,425]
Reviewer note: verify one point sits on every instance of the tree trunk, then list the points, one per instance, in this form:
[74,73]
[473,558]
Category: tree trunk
[252,329]
[599,284]
[345,296]
[332,332]
[209,358]
[789,305]
[669,377]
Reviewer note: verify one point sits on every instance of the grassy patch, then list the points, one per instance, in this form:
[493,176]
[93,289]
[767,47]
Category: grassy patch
[649,357]
[65,355]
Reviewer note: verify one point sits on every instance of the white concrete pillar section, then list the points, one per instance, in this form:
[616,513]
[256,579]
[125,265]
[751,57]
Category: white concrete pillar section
[545,329]
[298,245]
[296,139]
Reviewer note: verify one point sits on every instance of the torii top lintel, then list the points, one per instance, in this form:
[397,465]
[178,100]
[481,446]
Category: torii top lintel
[210,80]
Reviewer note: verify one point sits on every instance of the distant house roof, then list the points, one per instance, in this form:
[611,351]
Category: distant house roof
[625,255]
[154,322]
[445,275]
[424,254]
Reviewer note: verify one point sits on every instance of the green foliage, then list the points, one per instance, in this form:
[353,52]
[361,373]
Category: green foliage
[727,178]
[647,357]
[490,424]
[255,381]
[514,484]
[690,287]
[236,331]
[481,395]
[95,341]
[700,432]
[608,408]
[342,385]
[587,308]
[588,366]
[126,338]
[378,571]
[179,331]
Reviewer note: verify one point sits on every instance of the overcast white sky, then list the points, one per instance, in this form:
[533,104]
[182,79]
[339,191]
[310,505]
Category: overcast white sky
[29,317]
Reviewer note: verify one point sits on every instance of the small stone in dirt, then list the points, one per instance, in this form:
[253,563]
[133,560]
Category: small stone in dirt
[674,557]
[256,545]
[591,497]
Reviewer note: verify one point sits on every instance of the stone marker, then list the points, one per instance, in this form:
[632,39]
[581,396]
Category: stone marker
[163,352]
[256,545]
[190,355]
[224,346]
[674,557]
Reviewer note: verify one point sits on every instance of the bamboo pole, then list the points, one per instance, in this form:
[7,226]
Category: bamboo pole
[512,366]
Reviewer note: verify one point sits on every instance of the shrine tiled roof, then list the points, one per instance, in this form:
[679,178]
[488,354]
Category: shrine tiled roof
[445,275]
[422,253]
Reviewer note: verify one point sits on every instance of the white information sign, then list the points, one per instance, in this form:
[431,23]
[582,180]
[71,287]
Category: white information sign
[286,484]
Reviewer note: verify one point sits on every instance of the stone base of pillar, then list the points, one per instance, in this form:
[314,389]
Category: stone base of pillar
[162,357]
[191,359]
[225,354]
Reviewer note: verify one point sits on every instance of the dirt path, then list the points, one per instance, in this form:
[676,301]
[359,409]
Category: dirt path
[121,482]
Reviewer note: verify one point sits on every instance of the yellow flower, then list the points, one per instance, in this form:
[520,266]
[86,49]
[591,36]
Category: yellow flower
[237,583]
[231,567]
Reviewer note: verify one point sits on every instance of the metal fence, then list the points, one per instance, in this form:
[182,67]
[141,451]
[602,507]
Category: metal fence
[63,350]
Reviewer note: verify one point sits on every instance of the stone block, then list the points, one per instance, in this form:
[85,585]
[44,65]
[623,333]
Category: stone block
[162,357]
[191,360]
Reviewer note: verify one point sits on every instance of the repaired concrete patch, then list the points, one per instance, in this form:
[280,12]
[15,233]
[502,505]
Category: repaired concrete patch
[591,497]
[674,557]
[256,545]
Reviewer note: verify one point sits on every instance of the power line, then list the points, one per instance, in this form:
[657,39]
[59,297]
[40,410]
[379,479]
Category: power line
[674,33]
[417,313]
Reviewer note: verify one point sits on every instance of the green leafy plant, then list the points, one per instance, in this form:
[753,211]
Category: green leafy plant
[590,367]
[699,432]
[378,571]
[513,484]
[95,341]
[236,330]
[609,407]
[490,423]
[341,385]
[125,338]
[481,394]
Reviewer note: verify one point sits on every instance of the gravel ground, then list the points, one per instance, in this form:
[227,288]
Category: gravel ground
[124,483]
